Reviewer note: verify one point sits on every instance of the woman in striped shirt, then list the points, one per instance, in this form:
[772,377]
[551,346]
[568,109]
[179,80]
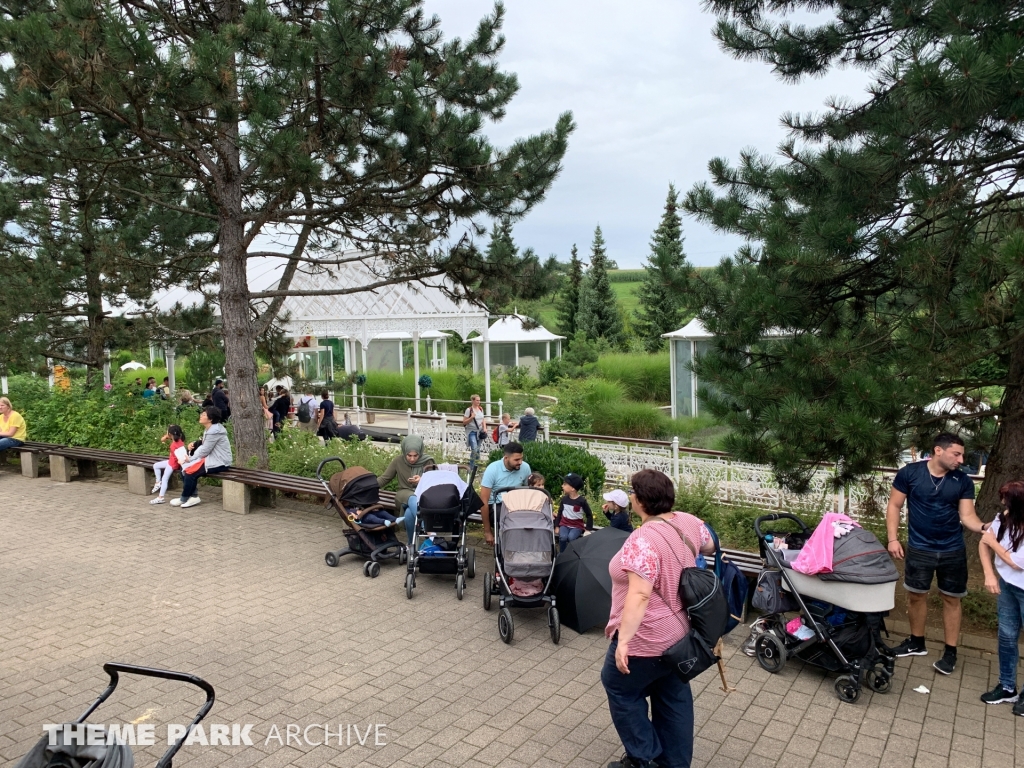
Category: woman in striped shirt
[646,619]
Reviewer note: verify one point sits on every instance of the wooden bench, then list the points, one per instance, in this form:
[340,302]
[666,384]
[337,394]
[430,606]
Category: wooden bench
[29,454]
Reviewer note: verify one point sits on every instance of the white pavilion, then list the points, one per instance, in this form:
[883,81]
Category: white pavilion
[511,344]
[368,329]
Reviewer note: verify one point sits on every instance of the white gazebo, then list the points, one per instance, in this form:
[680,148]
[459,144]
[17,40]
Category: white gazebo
[511,344]
[392,313]
[683,345]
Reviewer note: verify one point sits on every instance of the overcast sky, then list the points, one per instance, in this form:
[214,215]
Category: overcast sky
[654,99]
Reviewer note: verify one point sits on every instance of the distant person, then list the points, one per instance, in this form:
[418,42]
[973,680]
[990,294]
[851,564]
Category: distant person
[326,426]
[280,408]
[475,424]
[505,430]
[164,390]
[150,390]
[13,430]
[209,456]
[220,399]
[940,505]
[528,426]
[306,410]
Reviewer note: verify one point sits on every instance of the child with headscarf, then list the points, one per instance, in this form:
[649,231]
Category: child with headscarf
[408,467]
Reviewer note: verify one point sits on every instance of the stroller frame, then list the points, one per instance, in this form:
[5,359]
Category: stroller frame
[775,645]
[115,669]
[450,526]
[497,584]
[374,544]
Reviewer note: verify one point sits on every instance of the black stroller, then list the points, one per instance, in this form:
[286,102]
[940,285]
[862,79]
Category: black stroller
[843,611]
[67,747]
[439,539]
[353,492]
[525,548]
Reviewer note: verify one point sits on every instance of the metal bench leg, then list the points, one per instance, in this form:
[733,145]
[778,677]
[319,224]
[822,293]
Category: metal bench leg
[29,464]
[88,469]
[138,481]
[236,497]
[60,469]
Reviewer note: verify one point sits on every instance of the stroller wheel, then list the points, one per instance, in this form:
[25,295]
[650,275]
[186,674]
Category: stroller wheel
[555,625]
[878,679]
[331,559]
[460,585]
[410,584]
[374,570]
[403,556]
[366,569]
[770,652]
[471,563]
[847,690]
[487,591]
[506,628]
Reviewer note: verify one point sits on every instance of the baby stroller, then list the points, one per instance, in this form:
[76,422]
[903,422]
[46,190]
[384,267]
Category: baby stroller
[66,747]
[355,491]
[843,611]
[525,548]
[439,537]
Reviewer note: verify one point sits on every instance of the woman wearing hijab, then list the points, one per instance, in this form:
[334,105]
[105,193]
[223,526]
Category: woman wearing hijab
[407,468]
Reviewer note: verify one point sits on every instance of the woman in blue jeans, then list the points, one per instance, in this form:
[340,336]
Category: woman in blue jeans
[1005,539]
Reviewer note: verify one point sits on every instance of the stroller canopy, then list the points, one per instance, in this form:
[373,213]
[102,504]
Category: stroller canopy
[859,557]
[441,497]
[355,486]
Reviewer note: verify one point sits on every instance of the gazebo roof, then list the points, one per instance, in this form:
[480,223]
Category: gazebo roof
[509,330]
[693,330]
[400,308]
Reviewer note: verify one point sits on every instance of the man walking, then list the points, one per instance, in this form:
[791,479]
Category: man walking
[940,504]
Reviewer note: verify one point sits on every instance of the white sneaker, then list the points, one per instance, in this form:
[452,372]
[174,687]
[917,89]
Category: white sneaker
[190,503]
[175,502]
[159,500]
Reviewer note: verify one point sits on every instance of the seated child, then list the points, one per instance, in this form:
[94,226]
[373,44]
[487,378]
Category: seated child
[535,480]
[373,517]
[572,508]
[616,508]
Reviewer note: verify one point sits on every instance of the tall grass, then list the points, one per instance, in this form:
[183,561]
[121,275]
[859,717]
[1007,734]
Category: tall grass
[600,392]
[644,378]
[455,385]
[628,419]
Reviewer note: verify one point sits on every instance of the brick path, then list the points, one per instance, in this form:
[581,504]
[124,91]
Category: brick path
[89,573]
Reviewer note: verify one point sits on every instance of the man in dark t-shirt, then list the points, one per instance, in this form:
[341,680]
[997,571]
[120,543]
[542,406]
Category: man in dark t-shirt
[940,504]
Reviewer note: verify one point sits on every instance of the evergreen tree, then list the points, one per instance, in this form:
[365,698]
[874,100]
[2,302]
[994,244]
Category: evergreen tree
[319,124]
[661,306]
[887,247]
[598,316]
[569,301]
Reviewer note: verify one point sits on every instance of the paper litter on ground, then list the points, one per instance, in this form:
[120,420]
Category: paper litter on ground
[921,689]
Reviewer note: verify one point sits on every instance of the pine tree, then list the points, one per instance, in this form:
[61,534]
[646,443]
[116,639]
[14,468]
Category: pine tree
[598,316]
[569,301]
[886,248]
[661,305]
[318,123]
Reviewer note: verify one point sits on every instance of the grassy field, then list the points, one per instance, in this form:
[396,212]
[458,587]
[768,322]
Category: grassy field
[625,294]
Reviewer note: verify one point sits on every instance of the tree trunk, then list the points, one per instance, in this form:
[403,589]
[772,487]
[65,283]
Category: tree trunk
[1006,462]
[94,314]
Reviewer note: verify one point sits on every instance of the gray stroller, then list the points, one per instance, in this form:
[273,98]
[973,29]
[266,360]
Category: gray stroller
[525,548]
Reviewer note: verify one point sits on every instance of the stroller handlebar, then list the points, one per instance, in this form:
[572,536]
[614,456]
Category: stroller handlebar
[778,516]
[325,462]
[114,669]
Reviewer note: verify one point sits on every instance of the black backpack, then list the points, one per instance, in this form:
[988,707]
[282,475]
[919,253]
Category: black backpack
[704,601]
[303,412]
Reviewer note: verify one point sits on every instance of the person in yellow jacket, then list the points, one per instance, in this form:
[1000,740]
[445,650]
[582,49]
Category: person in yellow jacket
[13,431]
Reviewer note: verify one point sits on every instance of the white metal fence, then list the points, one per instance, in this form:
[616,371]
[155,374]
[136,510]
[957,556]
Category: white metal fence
[730,481]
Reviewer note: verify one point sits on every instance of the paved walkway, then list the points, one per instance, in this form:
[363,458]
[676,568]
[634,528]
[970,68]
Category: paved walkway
[89,573]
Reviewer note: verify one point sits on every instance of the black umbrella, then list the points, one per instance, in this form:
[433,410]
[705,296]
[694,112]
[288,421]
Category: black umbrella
[581,580]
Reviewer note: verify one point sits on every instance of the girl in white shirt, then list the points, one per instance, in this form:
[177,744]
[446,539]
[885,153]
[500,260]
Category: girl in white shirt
[1005,539]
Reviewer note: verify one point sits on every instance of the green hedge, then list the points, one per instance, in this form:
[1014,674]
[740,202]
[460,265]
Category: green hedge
[555,461]
[297,452]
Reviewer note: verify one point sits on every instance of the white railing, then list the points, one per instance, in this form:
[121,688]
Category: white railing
[730,481]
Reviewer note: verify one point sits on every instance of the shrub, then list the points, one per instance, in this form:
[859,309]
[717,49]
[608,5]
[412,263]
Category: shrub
[555,461]
[644,378]
[601,392]
[296,452]
[518,377]
[628,419]
[203,367]
[573,413]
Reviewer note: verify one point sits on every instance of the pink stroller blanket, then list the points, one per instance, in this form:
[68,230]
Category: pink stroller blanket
[816,556]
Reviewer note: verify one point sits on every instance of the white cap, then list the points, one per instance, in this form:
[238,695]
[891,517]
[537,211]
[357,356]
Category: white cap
[617,497]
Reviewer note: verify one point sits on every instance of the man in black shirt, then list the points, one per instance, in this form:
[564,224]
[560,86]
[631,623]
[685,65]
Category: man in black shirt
[220,398]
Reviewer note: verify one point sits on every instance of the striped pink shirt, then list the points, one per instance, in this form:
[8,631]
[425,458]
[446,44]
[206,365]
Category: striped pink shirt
[657,556]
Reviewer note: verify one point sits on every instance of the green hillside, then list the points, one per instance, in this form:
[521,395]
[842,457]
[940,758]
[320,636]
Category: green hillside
[625,284]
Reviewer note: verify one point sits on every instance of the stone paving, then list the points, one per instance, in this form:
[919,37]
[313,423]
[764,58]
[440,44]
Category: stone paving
[89,574]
